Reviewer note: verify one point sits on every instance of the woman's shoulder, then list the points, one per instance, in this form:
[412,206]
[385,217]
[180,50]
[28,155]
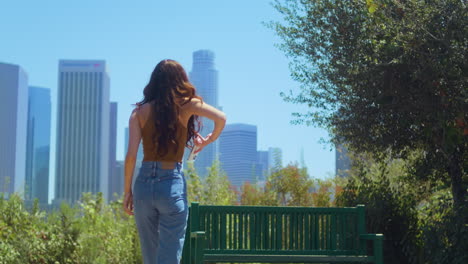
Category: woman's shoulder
[142,108]
[141,111]
[192,105]
[190,102]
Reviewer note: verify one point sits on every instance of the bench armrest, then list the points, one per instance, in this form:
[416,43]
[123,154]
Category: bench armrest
[377,240]
[371,236]
[196,246]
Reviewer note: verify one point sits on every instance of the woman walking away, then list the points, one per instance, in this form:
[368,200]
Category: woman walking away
[166,120]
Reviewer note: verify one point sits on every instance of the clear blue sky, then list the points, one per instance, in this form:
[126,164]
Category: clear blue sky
[132,36]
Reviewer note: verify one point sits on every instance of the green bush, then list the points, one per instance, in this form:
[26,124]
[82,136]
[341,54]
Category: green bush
[415,215]
[389,210]
[445,236]
[90,232]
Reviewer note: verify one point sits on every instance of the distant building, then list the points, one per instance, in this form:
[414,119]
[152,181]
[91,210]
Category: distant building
[269,160]
[275,158]
[205,78]
[112,148]
[13,117]
[342,161]
[38,145]
[263,160]
[82,160]
[238,153]
[116,185]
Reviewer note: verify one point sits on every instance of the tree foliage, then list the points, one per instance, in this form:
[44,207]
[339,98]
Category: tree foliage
[194,184]
[384,74]
[215,189]
[416,216]
[390,206]
[251,194]
[292,186]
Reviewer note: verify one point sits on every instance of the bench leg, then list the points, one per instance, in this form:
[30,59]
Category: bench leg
[197,247]
[378,250]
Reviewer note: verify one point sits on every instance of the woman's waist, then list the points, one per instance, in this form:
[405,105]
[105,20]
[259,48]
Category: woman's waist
[161,165]
[150,156]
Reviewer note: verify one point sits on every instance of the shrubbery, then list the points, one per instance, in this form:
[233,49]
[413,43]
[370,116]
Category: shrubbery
[91,232]
[416,216]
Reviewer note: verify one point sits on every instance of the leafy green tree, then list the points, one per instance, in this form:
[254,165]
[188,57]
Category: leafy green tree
[391,206]
[322,196]
[292,185]
[251,194]
[254,194]
[217,189]
[385,75]
[194,184]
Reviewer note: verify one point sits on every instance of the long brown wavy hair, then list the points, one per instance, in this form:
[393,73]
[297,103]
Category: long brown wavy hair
[167,86]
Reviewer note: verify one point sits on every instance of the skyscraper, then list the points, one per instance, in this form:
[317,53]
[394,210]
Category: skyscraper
[275,158]
[262,159]
[82,160]
[112,150]
[117,184]
[238,153]
[38,145]
[205,78]
[13,117]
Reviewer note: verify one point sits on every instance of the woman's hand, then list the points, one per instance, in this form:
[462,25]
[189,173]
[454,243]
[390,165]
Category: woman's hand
[201,142]
[128,203]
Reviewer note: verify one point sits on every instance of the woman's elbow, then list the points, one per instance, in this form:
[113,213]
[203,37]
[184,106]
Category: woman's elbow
[223,118]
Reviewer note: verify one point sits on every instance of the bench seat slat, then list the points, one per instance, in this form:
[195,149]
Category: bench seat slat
[285,259]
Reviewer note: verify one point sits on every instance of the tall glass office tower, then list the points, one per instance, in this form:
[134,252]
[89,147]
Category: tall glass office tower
[38,145]
[238,153]
[82,160]
[13,118]
[205,78]
[262,159]
[113,178]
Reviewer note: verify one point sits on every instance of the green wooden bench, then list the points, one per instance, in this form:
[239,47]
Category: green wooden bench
[279,235]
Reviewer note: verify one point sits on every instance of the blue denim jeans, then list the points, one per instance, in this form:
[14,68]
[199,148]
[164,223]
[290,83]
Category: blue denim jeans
[161,211]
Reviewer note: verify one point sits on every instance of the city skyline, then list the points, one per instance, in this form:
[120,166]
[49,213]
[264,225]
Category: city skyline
[82,80]
[134,37]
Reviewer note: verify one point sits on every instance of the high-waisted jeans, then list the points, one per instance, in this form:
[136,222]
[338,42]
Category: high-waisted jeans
[161,211]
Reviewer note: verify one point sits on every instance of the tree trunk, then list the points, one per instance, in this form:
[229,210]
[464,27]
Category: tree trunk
[455,171]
